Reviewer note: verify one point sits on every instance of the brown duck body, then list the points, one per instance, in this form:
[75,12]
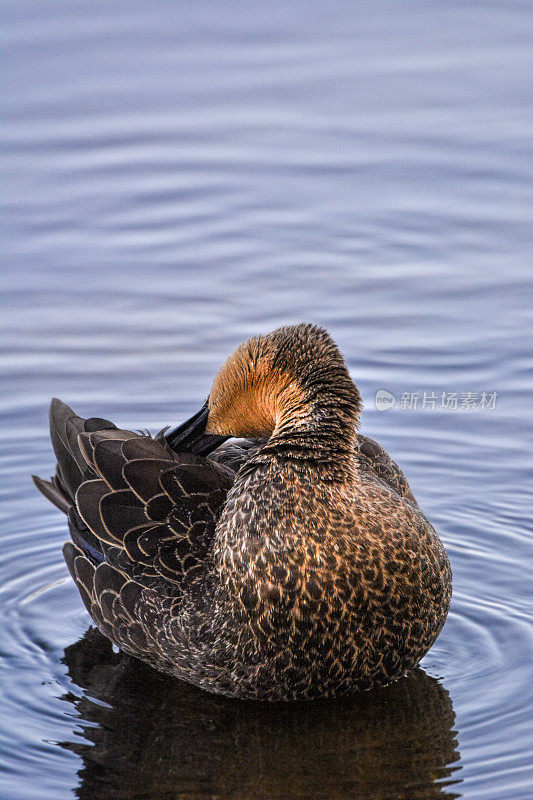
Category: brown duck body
[292,567]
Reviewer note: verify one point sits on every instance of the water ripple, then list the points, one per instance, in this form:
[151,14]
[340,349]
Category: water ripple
[181,176]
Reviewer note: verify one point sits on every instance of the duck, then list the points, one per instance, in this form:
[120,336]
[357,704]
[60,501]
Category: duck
[264,549]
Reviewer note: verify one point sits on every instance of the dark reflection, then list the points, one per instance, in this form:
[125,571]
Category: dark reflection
[161,739]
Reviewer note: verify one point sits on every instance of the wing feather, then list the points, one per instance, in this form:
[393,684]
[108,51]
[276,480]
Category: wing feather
[373,457]
[142,521]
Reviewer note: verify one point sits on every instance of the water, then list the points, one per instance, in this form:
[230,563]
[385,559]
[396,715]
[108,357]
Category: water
[180,176]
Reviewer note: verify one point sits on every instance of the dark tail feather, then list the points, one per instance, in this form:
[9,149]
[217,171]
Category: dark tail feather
[72,469]
[52,493]
[65,428]
[69,472]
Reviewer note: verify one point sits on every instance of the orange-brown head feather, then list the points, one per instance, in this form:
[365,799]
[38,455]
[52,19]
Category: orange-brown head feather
[291,377]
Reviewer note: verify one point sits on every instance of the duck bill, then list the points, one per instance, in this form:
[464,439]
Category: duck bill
[191,435]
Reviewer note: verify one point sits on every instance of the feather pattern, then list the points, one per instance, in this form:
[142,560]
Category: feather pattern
[294,566]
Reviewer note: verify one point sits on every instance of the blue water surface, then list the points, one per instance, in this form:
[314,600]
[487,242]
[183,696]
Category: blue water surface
[179,176]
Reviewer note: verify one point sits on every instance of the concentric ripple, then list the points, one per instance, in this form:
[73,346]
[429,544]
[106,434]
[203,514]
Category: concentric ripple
[64,697]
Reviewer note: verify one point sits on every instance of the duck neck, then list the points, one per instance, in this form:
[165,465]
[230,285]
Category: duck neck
[319,427]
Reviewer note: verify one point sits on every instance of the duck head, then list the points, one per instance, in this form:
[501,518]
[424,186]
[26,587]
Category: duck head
[291,380]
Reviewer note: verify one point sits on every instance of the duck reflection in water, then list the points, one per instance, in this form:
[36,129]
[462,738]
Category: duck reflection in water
[161,739]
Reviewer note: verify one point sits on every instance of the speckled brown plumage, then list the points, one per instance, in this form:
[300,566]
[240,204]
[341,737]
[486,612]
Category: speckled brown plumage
[294,564]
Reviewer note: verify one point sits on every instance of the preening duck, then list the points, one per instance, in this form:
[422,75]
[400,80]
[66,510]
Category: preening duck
[264,549]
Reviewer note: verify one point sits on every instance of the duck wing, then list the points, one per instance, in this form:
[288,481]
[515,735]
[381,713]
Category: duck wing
[375,459]
[141,517]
